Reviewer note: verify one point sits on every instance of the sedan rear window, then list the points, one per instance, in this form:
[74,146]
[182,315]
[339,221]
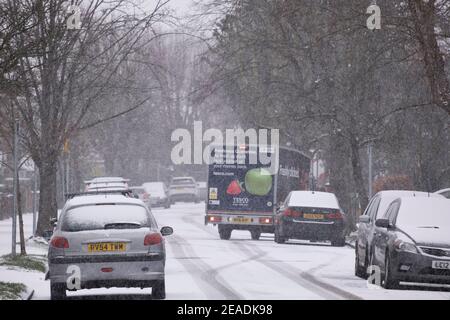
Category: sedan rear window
[107,216]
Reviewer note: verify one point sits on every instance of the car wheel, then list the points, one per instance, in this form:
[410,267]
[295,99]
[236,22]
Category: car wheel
[224,232]
[279,237]
[159,290]
[338,242]
[57,291]
[360,272]
[167,205]
[256,234]
[389,281]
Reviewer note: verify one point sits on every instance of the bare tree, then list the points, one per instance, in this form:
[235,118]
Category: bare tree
[67,72]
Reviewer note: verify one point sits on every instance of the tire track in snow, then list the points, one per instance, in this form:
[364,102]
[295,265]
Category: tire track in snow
[208,276]
[303,278]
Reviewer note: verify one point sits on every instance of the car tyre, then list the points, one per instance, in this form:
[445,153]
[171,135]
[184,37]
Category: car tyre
[256,234]
[279,237]
[224,232]
[159,290]
[389,282]
[360,272]
[167,205]
[57,291]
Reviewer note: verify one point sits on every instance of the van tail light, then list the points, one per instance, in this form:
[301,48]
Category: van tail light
[59,242]
[336,215]
[289,212]
[214,219]
[266,220]
[152,239]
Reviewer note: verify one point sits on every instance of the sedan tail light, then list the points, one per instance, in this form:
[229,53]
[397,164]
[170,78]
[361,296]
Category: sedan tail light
[59,242]
[336,215]
[152,239]
[289,212]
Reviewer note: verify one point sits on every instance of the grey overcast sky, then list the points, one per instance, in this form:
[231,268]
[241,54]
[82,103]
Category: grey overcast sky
[181,6]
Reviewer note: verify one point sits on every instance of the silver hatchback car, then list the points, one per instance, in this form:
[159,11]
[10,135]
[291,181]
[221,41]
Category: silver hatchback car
[104,241]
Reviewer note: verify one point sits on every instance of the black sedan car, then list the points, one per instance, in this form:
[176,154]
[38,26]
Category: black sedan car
[311,215]
[412,242]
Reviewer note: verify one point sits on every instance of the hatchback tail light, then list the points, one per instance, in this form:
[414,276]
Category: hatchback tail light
[59,242]
[146,196]
[152,239]
[289,212]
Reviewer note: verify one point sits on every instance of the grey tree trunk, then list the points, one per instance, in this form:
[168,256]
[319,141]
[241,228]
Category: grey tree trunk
[23,250]
[358,176]
[48,207]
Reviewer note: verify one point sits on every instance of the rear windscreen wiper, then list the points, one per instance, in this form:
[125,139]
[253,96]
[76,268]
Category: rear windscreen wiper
[428,227]
[123,225]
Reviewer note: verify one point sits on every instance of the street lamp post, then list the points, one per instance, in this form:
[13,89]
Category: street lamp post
[14,215]
[369,151]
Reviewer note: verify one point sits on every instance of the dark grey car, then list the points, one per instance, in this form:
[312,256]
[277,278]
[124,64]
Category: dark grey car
[412,242]
[107,241]
[366,225]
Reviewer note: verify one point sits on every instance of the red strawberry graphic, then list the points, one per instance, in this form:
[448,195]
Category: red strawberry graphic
[234,188]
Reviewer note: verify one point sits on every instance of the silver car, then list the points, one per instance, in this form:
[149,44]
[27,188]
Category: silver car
[106,241]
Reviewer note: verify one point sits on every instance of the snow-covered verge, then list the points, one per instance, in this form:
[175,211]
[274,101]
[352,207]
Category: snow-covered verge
[22,278]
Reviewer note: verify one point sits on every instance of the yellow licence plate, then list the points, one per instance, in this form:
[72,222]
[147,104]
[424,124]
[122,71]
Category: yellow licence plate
[242,220]
[313,216]
[107,247]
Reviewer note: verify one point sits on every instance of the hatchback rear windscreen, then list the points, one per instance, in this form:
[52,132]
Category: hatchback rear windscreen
[109,216]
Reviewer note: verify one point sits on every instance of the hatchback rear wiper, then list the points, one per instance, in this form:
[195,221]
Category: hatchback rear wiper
[123,225]
[428,227]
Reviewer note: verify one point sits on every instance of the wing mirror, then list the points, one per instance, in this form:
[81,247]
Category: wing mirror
[364,219]
[383,223]
[54,221]
[47,235]
[166,231]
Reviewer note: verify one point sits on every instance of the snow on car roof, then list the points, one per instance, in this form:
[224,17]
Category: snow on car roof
[103,198]
[107,180]
[421,210]
[444,192]
[388,196]
[406,193]
[313,199]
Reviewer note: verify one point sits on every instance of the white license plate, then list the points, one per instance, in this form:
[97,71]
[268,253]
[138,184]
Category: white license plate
[441,265]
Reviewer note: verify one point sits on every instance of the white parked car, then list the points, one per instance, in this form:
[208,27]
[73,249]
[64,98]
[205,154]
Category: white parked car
[142,194]
[157,192]
[444,192]
[113,240]
[183,189]
[106,184]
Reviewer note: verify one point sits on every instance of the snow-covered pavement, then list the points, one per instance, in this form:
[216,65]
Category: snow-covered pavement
[201,266]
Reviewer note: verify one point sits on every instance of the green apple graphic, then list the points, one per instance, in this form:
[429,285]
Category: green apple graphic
[258,182]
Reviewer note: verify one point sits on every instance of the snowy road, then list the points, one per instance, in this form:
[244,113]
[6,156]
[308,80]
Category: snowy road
[201,266]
